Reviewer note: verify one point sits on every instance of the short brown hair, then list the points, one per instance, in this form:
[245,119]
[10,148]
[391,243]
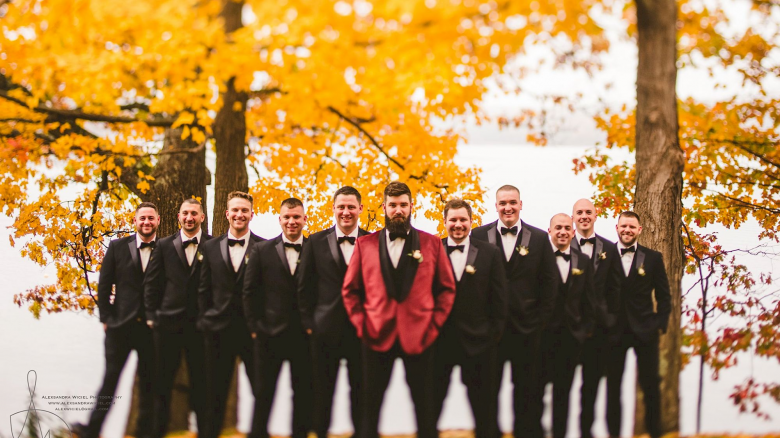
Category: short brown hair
[291,203]
[508,188]
[348,191]
[147,205]
[242,195]
[193,201]
[629,213]
[456,203]
[397,188]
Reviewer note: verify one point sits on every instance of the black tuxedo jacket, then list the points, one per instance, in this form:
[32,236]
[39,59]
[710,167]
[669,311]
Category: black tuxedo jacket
[322,271]
[479,313]
[171,284]
[574,306]
[532,279]
[121,271]
[607,277]
[269,290]
[647,275]
[219,291]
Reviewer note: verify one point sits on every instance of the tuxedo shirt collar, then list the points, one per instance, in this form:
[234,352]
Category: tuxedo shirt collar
[198,235]
[578,236]
[555,248]
[354,232]
[245,238]
[465,243]
[286,240]
[138,240]
[500,224]
[621,246]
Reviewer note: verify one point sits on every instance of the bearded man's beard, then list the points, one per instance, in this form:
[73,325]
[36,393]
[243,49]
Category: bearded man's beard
[398,224]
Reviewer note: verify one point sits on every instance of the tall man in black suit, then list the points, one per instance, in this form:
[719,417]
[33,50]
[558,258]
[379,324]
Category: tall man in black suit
[273,318]
[471,334]
[171,301]
[638,324]
[608,274]
[323,264]
[221,314]
[532,286]
[122,315]
[572,320]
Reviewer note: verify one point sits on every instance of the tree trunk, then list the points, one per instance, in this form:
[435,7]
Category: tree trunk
[180,174]
[659,167]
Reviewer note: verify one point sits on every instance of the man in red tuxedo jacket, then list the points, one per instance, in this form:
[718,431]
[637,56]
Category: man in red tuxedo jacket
[398,291]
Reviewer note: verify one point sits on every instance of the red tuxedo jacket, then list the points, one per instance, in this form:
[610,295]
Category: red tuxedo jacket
[380,319]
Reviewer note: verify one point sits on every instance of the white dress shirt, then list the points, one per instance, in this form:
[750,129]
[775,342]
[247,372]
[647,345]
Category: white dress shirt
[346,247]
[395,247]
[509,240]
[563,264]
[458,258]
[191,250]
[626,258]
[145,253]
[237,252]
[292,255]
[587,248]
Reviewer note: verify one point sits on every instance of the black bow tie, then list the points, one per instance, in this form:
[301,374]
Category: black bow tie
[565,256]
[348,239]
[623,251]
[460,248]
[147,245]
[296,246]
[193,241]
[394,236]
[592,241]
[239,242]
[512,230]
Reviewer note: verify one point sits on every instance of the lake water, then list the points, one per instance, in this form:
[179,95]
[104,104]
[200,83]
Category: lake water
[66,350]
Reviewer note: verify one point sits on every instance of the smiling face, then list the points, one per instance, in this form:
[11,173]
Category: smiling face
[190,218]
[346,211]
[561,231]
[292,221]
[584,215]
[508,206]
[146,222]
[239,214]
[458,224]
[628,230]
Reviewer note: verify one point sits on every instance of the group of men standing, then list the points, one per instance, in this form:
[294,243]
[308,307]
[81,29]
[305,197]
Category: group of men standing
[502,292]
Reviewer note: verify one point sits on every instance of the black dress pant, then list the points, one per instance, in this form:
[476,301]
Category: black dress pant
[170,344]
[522,352]
[326,358]
[222,349]
[594,366]
[134,335]
[560,354]
[479,374]
[647,357]
[377,369]
[291,345]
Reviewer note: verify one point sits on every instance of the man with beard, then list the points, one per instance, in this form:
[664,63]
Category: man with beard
[323,265]
[273,318]
[171,300]
[608,274]
[470,336]
[398,290]
[220,309]
[124,321]
[637,324]
[532,286]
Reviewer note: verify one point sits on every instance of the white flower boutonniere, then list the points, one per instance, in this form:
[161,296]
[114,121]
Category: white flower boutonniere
[417,255]
[522,250]
[641,271]
[199,256]
[576,271]
[246,258]
[470,269]
[602,255]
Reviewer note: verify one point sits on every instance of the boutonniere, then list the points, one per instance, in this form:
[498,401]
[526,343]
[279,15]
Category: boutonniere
[417,255]
[522,250]
[602,255]
[576,271]
[470,269]
[199,256]
[641,271]
[246,258]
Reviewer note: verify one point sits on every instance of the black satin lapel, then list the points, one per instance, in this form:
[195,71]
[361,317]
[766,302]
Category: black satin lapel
[283,256]
[135,253]
[597,248]
[180,251]
[335,251]
[387,265]
[525,238]
[636,263]
[575,244]
[492,234]
[573,264]
[410,270]
[223,247]
[471,259]
[452,268]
